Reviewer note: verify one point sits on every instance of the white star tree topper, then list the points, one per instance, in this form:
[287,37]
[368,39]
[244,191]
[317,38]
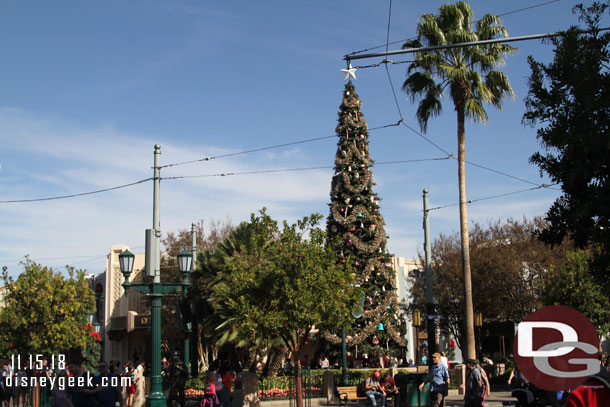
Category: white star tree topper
[349,72]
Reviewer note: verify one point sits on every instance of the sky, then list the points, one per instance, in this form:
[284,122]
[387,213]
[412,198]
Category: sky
[88,88]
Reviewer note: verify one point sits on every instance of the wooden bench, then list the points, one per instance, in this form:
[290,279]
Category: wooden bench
[349,394]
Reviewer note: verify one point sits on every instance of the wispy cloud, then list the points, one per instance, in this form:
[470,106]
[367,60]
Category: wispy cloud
[87,159]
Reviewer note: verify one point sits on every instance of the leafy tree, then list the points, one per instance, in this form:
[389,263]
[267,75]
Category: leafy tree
[45,313]
[570,99]
[572,284]
[281,284]
[469,73]
[508,262]
[173,243]
[356,229]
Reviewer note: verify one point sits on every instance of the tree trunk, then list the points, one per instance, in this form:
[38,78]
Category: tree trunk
[274,361]
[298,383]
[252,359]
[470,350]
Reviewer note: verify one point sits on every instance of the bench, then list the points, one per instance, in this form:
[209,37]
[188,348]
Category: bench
[349,394]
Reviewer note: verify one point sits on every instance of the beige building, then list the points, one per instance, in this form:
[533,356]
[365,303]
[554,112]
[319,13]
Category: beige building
[406,268]
[124,320]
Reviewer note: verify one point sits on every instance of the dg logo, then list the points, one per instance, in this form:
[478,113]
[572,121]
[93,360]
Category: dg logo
[556,348]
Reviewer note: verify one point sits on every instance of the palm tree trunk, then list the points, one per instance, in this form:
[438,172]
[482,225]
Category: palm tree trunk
[470,350]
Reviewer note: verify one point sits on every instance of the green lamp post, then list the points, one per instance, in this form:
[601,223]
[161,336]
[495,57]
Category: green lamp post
[356,313]
[155,290]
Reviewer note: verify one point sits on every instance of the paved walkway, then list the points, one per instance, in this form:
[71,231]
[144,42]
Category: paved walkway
[496,399]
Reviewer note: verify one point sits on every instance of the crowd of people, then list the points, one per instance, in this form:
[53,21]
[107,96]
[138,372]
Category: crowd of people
[113,384]
[71,385]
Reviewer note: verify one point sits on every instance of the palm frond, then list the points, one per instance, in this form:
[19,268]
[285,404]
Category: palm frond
[429,106]
[474,110]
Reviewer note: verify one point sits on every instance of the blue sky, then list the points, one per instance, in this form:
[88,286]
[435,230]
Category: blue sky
[88,88]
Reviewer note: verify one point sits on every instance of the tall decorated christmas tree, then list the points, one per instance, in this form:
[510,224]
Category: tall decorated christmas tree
[356,227]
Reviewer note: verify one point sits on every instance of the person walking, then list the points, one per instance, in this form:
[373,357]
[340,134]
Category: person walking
[178,375]
[439,381]
[474,385]
[107,389]
[373,389]
[80,396]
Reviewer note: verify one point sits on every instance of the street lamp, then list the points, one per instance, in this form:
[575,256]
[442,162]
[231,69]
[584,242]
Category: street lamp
[156,290]
[93,321]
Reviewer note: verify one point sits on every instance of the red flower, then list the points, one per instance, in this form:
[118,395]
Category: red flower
[88,326]
[10,345]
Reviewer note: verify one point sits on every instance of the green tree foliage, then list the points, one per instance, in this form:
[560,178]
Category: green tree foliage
[277,284]
[46,313]
[508,262]
[570,99]
[173,243]
[472,79]
[572,284]
[356,229]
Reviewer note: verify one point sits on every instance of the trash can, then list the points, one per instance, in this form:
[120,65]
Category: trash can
[408,387]
[424,396]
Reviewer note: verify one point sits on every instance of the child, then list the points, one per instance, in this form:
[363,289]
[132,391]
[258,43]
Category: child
[210,399]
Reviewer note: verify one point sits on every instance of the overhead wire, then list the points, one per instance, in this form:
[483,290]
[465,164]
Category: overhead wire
[411,38]
[267,148]
[403,121]
[227,174]
[76,195]
[493,196]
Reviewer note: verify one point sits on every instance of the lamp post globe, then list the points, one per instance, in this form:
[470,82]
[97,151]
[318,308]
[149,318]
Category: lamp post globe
[185,262]
[126,259]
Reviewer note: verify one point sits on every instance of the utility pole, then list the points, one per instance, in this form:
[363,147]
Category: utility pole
[430,314]
[187,344]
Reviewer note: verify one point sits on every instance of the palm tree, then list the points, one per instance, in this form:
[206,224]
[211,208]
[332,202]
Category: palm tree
[468,72]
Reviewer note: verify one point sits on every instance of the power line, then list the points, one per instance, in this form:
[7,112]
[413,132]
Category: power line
[267,148]
[494,196]
[75,195]
[89,258]
[228,174]
[402,120]
[213,175]
[411,38]
[501,173]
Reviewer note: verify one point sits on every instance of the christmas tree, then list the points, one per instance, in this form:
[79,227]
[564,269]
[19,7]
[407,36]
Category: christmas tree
[356,228]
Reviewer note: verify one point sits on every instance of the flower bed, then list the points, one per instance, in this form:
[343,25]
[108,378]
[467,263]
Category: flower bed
[282,394]
[193,393]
